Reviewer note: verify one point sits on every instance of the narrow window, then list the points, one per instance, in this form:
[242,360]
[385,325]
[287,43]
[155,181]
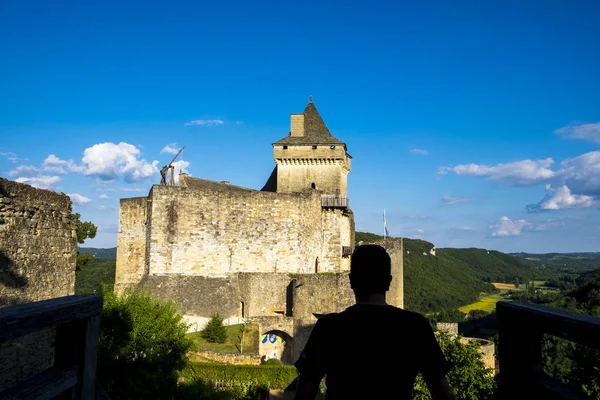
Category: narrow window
[314,147]
[332,147]
[312,185]
[243,310]
[285,147]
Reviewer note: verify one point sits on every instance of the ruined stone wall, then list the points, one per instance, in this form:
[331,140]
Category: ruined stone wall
[132,242]
[38,253]
[230,358]
[215,232]
[395,249]
[38,244]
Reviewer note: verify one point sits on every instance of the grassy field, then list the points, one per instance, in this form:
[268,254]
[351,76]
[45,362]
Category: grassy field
[232,343]
[485,303]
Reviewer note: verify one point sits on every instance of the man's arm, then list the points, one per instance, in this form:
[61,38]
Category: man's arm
[440,390]
[307,388]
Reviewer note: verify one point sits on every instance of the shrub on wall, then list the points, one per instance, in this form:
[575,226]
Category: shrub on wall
[142,347]
[215,331]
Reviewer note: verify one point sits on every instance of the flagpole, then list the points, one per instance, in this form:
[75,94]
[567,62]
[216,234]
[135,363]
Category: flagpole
[384,223]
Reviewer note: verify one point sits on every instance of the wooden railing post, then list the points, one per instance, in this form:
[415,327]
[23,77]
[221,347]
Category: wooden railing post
[77,344]
[519,353]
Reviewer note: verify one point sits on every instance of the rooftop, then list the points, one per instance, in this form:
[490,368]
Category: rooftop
[315,130]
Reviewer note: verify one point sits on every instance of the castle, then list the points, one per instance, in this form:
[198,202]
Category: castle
[278,256]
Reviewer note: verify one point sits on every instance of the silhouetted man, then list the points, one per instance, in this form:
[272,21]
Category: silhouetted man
[371,350]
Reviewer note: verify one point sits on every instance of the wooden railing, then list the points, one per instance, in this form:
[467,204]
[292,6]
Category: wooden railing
[521,327]
[77,322]
[334,201]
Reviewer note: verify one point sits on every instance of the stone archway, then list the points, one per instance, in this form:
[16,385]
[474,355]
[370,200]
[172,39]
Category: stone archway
[276,344]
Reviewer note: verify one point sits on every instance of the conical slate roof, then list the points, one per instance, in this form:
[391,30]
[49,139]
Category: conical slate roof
[315,130]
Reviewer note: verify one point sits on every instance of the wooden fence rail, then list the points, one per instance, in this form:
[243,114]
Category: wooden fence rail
[521,327]
[77,322]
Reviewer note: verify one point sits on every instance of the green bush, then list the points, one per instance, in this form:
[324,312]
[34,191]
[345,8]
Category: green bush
[215,331]
[468,377]
[273,361]
[142,347]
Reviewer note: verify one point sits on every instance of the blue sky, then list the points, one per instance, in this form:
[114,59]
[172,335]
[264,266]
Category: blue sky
[474,124]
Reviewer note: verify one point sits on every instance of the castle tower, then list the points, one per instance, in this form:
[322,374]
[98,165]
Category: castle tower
[310,157]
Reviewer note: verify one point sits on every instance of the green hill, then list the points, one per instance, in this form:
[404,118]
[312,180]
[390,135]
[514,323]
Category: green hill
[584,261]
[110,253]
[452,277]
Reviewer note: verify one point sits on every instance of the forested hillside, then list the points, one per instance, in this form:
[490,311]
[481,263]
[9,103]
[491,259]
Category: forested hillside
[561,260]
[453,277]
[110,254]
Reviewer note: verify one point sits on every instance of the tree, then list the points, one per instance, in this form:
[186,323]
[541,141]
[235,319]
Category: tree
[469,377]
[215,331]
[142,347]
[84,230]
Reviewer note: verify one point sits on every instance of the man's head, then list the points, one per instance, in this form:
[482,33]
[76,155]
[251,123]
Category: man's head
[370,270]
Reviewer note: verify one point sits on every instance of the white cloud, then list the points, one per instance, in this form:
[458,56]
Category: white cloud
[10,156]
[560,198]
[133,190]
[239,122]
[419,151]
[41,182]
[103,196]
[520,173]
[204,122]
[78,199]
[180,167]
[582,173]
[464,228]
[456,200]
[57,166]
[584,131]
[171,148]
[508,227]
[25,171]
[108,161]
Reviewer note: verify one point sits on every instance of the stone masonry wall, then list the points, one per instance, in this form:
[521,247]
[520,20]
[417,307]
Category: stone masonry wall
[38,245]
[300,166]
[38,253]
[131,244]
[315,295]
[215,232]
[337,228]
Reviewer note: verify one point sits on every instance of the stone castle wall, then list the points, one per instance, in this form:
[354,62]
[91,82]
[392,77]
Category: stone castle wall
[210,232]
[132,242]
[38,244]
[298,167]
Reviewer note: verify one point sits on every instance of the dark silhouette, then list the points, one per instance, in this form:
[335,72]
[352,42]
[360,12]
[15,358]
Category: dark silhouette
[371,350]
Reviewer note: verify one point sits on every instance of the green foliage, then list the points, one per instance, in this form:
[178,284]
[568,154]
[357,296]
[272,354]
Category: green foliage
[85,230]
[98,273]
[215,331]
[468,376]
[273,377]
[142,347]
[449,315]
[559,261]
[476,314]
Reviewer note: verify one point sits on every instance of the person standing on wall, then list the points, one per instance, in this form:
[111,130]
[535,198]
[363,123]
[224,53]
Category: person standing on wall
[371,350]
